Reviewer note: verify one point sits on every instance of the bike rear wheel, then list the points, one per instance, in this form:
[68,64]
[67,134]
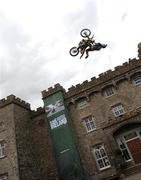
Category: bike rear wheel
[85,33]
[74,51]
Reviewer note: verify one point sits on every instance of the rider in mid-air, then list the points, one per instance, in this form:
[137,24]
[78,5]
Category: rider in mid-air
[86,44]
[89,45]
[95,47]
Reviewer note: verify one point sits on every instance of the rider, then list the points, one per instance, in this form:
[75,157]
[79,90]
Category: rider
[84,43]
[95,47]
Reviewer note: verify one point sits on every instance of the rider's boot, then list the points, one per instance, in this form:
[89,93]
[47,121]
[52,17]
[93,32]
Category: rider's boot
[87,55]
[104,45]
[82,53]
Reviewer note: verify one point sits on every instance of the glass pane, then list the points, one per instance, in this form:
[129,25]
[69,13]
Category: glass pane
[97,154]
[88,127]
[3,177]
[109,91]
[137,79]
[131,135]
[124,150]
[100,163]
[82,104]
[122,146]
[125,155]
[106,161]
[103,152]
[92,125]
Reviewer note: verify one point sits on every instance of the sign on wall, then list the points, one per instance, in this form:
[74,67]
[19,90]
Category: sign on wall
[67,156]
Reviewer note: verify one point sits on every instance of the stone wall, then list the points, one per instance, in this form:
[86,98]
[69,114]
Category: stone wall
[24,142]
[8,164]
[29,153]
[100,106]
[42,146]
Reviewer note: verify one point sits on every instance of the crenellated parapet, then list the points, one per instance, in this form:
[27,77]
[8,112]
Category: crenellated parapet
[13,99]
[51,90]
[110,77]
[107,78]
[139,50]
[38,111]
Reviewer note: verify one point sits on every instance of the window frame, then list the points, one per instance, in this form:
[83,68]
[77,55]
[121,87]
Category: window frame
[81,104]
[118,112]
[2,149]
[101,160]
[90,123]
[3,177]
[124,150]
[135,79]
[109,91]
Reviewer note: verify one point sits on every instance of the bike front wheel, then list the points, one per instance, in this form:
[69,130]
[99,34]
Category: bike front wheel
[74,51]
[85,33]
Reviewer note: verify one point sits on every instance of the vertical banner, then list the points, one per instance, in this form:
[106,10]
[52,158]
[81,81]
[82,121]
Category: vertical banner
[67,156]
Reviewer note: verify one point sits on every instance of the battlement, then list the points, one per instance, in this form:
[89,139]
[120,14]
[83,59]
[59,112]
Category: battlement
[104,77]
[38,111]
[13,99]
[139,50]
[51,90]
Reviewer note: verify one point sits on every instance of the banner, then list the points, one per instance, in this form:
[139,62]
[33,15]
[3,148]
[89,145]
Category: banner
[66,154]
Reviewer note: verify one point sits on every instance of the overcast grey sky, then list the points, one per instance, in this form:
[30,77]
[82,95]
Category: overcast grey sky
[36,35]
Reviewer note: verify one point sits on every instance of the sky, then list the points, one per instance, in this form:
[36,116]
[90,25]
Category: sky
[36,36]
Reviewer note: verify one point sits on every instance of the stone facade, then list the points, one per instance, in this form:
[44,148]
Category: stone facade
[28,148]
[109,131]
[105,116]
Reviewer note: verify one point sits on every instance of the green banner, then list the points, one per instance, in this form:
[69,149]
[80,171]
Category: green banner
[67,156]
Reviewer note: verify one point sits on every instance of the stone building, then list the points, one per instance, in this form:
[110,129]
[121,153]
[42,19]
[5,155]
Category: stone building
[104,117]
[25,148]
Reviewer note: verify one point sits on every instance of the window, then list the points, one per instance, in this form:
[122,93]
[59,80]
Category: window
[2,149]
[109,91]
[89,123]
[125,153]
[130,136]
[137,79]
[118,110]
[101,157]
[82,104]
[3,177]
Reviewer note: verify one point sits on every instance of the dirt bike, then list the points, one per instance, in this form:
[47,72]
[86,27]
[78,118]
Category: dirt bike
[74,51]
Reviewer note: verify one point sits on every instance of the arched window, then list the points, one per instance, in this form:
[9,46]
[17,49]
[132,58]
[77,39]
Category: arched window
[128,138]
[101,157]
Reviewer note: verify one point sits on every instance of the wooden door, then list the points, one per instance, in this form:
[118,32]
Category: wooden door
[135,149]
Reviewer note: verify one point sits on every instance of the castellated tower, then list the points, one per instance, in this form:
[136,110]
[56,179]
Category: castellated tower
[25,148]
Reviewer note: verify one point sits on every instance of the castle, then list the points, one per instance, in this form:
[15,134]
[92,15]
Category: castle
[90,132]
